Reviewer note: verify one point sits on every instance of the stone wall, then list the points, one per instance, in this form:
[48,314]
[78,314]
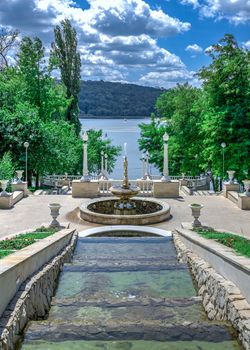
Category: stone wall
[33,298]
[221,298]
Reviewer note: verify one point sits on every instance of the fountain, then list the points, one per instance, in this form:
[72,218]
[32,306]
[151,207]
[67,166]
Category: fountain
[124,206]
[124,209]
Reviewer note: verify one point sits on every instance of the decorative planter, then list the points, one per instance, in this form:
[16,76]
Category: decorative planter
[196,212]
[19,176]
[4,184]
[231,176]
[54,212]
[247,187]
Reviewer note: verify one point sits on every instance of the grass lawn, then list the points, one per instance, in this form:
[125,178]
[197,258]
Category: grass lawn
[4,253]
[240,244]
[8,246]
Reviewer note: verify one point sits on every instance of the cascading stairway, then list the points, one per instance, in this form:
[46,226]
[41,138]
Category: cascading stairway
[127,294]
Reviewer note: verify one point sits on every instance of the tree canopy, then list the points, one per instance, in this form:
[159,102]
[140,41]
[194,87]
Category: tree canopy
[66,57]
[33,109]
[199,120]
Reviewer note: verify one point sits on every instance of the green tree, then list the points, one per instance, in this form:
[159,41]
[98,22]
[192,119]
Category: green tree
[7,168]
[151,140]
[67,58]
[96,144]
[38,87]
[226,112]
[180,110]
[53,145]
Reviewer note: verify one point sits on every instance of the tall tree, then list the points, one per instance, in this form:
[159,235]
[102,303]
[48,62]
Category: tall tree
[226,112]
[67,58]
[7,42]
[39,89]
[180,110]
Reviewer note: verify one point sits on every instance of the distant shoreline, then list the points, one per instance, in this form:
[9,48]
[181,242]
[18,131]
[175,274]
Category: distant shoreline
[112,117]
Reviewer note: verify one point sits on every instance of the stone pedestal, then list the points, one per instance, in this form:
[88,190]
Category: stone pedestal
[20,186]
[6,202]
[85,189]
[183,182]
[230,187]
[244,202]
[165,189]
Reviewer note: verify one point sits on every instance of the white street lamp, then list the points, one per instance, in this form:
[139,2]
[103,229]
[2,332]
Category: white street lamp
[26,145]
[106,166]
[223,146]
[165,177]
[85,172]
[147,175]
[143,167]
[102,165]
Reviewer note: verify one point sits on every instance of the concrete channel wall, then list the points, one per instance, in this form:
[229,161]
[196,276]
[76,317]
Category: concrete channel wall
[33,299]
[224,260]
[222,299]
[17,267]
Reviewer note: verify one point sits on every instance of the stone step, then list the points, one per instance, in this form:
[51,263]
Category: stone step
[186,330]
[120,266]
[131,301]
[183,344]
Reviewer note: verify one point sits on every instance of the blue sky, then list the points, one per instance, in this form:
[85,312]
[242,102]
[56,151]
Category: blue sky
[148,42]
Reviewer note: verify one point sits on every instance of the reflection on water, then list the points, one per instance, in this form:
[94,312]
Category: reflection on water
[127,293]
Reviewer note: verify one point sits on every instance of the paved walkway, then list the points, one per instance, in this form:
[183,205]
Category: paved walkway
[33,211]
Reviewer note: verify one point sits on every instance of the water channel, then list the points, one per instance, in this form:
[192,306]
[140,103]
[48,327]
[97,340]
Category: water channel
[127,293]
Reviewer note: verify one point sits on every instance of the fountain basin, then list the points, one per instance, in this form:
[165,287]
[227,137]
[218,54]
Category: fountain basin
[102,211]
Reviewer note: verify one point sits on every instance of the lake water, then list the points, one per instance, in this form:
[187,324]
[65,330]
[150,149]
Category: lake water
[120,131]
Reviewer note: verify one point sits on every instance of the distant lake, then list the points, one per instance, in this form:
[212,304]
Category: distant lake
[121,131]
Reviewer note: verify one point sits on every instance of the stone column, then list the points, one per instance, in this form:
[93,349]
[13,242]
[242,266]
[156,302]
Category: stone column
[165,177]
[147,174]
[143,167]
[106,166]
[85,172]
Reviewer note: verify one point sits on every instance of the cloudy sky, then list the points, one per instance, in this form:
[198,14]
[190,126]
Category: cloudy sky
[151,42]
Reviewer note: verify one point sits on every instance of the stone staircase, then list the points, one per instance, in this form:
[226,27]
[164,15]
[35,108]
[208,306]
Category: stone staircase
[121,292]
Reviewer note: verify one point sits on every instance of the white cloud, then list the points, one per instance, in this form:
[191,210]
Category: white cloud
[194,3]
[170,79]
[194,48]
[246,45]
[117,38]
[235,11]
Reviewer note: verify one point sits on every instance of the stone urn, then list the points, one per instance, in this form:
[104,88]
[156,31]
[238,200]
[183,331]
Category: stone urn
[247,187]
[231,176]
[19,176]
[54,212]
[4,184]
[196,212]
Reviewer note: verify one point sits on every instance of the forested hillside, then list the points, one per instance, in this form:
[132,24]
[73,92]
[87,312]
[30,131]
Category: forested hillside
[99,98]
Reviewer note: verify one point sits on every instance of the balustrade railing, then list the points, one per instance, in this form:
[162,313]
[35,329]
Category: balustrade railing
[146,186]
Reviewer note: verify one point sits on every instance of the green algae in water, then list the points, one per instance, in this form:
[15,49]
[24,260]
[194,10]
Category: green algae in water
[121,315]
[131,345]
[174,283]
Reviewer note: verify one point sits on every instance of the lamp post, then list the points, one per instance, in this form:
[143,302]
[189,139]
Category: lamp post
[106,166]
[143,167]
[165,177]
[223,146]
[85,172]
[26,145]
[147,175]
[102,176]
